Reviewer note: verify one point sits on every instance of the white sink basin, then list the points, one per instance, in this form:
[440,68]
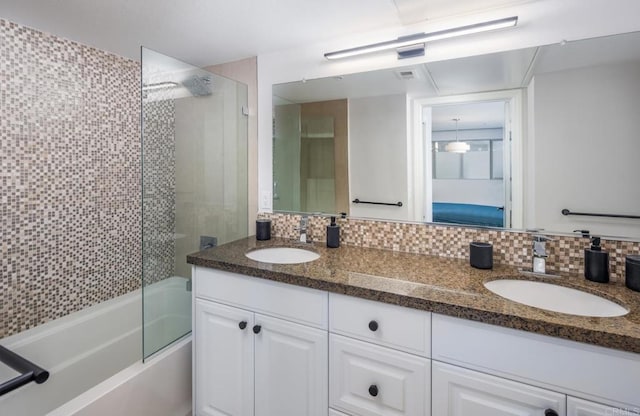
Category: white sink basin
[282,255]
[555,298]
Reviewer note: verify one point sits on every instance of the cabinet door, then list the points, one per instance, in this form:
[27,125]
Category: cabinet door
[291,366]
[462,392]
[579,407]
[223,360]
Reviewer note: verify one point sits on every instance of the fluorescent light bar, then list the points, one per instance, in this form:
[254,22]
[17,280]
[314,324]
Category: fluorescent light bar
[424,37]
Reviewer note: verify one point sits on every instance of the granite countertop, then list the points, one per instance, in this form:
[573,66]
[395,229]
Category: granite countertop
[437,284]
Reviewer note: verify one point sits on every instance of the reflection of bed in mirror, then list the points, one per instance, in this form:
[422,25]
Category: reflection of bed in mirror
[469,214]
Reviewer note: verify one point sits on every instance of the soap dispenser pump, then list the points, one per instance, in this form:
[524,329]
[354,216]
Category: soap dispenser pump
[596,262]
[333,234]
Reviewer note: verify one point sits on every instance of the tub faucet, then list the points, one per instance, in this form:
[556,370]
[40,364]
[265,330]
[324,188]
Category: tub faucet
[304,223]
[540,253]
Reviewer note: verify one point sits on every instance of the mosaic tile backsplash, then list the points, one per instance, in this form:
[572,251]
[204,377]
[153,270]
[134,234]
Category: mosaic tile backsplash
[566,253]
[69,177]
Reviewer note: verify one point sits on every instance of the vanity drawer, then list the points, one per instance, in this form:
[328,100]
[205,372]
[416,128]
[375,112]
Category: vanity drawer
[388,325]
[366,379]
[582,370]
[293,303]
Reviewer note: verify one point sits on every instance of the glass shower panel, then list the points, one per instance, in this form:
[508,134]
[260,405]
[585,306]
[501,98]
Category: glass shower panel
[194,173]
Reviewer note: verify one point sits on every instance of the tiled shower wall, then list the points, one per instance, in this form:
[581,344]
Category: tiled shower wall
[159,188]
[509,247]
[69,177]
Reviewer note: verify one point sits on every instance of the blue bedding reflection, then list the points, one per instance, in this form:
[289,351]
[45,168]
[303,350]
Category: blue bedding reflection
[469,214]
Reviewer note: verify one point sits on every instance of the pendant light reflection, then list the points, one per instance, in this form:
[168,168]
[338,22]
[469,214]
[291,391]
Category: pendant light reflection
[457,146]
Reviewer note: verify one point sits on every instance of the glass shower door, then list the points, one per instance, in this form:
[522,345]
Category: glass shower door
[194,183]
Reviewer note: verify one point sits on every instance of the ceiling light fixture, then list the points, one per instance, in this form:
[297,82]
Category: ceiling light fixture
[419,39]
[457,146]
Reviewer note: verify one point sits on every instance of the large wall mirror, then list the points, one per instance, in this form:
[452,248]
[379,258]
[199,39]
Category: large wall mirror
[508,140]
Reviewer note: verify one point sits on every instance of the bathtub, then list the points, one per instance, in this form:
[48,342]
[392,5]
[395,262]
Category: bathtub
[85,348]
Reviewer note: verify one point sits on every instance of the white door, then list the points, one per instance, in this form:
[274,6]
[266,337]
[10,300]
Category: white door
[579,407]
[461,392]
[224,360]
[291,366]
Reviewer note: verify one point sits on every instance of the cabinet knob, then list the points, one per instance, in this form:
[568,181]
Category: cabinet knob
[242,324]
[373,325]
[550,412]
[373,390]
[256,329]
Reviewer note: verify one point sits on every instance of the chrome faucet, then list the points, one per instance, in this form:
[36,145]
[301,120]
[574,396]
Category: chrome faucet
[540,253]
[304,224]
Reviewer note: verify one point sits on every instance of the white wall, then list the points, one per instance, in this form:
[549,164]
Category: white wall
[471,134]
[378,156]
[597,122]
[540,22]
[246,72]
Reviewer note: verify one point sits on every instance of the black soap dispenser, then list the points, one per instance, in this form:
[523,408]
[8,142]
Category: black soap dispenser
[596,262]
[333,234]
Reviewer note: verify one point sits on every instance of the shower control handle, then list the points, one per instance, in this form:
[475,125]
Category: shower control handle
[256,329]
[242,324]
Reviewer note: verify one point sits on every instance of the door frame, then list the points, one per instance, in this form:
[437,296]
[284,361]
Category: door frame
[420,151]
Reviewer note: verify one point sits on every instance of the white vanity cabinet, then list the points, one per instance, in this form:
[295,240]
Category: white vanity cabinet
[530,370]
[370,371]
[265,348]
[252,354]
[461,392]
[580,407]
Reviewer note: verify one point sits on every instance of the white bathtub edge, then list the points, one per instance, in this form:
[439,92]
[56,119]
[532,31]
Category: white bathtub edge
[166,375]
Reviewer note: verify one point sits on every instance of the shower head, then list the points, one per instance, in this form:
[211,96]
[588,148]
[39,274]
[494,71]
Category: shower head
[198,85]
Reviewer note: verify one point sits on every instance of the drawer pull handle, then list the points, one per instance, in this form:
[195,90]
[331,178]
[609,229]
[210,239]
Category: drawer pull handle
[373,391]
[242,324]
[373,325]
[256,329]
[550,412]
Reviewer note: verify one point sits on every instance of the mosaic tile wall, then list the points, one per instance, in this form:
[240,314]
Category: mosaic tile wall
[69,177]
[159,187]
[514,248]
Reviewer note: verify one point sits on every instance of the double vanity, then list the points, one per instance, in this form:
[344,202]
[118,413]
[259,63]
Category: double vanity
[282,328]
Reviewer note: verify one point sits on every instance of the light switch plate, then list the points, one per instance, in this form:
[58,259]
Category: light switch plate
[265,200]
